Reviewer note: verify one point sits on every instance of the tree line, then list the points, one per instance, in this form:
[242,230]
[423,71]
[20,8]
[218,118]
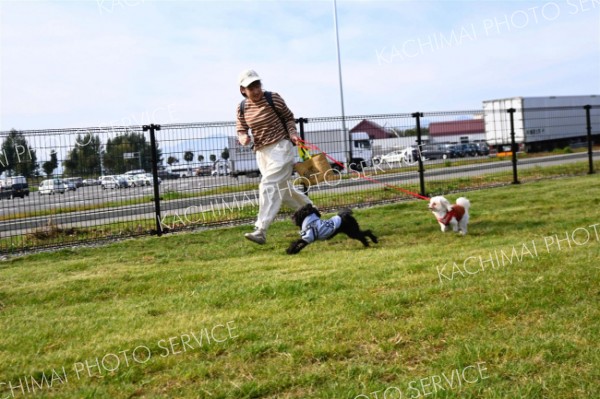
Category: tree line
[88,157]
[188,156]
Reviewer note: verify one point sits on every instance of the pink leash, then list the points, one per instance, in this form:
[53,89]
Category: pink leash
[309,146]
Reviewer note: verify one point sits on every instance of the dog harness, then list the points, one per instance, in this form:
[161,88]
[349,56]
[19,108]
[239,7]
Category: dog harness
[314,228]
[457,212]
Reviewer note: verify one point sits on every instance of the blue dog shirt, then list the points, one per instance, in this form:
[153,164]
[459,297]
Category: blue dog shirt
[314,228]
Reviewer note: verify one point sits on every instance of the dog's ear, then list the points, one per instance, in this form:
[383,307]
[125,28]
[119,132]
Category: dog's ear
[294,216]
[445,204]
[297,217]
[315,211]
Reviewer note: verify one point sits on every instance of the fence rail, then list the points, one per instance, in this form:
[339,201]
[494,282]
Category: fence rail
[67,186]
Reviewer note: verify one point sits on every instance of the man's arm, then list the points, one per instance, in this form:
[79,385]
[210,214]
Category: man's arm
[288,117]
[242,128]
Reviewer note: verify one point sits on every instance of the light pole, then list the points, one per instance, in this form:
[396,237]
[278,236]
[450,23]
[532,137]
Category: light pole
[337,44]
[101,154]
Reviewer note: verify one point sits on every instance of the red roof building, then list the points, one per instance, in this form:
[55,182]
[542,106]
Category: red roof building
[459,131]
[469,126]
[374,130]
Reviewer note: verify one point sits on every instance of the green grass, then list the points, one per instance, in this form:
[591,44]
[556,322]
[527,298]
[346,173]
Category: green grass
[384,169]
[374,194]
[336,321]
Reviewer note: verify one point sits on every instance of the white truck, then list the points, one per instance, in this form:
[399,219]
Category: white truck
[242,160]
[541,123]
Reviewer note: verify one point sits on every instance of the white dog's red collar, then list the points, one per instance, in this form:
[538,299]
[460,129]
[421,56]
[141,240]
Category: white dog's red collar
[457,212]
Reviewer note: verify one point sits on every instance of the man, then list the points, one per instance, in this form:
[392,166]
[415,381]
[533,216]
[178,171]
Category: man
[273,131]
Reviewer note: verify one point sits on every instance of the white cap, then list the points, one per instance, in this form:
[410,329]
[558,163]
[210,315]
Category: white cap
[247,77]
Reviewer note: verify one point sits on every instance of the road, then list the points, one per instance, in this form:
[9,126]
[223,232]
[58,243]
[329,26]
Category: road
[21,211]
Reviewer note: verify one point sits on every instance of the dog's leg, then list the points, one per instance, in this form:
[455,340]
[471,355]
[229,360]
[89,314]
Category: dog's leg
[465,221]
[372,236]
[463,227]
[351,228]
[454,224]
[356,235]
[363,239]
[296,247]
[443,226]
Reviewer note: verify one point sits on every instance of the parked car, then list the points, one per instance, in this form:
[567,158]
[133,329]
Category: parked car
[146,178]
[78,181]
[482,148]
[137,180]
[391,157]
[456,151]
[6,192]
[204,170]
[51,186]
[91,182]
[436,152]
[129,180]
[220,169]
[124,182]
[70,185]
[165,174]
[20,190]
[17,185]
[408,155]
[467,149]
[109,182]
[151,179]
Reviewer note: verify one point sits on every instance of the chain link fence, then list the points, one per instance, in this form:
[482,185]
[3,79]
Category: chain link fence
[62,187]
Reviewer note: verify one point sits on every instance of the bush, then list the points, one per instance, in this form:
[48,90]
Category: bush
[566,150]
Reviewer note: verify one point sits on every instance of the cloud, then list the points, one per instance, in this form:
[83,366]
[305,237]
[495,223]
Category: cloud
[74,64]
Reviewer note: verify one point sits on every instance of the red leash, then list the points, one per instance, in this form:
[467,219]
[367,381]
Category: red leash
[308,146]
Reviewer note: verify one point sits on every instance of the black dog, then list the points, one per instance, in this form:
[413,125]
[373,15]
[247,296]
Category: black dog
[313,228]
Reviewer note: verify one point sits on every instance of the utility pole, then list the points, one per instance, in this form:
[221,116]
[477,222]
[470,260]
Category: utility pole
[337,43]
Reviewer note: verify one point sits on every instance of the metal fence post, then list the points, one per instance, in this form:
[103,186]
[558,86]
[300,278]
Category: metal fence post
[152,128]
[513,145]
[589,138]
[301,122]
[418,116]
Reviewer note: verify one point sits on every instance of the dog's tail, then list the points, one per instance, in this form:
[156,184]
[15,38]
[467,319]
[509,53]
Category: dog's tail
[465,203]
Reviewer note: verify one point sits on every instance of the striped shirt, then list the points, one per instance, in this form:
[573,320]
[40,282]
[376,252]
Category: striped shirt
[264,123]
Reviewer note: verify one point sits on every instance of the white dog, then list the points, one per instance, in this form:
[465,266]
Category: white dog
[455,215]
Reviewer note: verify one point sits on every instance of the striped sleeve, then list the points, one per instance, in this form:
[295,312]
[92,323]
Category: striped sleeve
[241,125]
[264,123]
[285,112]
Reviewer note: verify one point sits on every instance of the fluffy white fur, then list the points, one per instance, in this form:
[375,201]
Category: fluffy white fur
[440,207]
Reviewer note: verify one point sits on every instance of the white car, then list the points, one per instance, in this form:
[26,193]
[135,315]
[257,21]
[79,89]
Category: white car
[147,178]
[109,182]
[408,155]
[220,169]
[128,179]
[138,180]
[51,186]
[91,182]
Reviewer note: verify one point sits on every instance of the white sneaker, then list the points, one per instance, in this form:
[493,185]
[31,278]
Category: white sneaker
[258,236]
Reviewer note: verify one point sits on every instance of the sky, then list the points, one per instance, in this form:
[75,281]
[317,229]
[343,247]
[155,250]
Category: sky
[70,64]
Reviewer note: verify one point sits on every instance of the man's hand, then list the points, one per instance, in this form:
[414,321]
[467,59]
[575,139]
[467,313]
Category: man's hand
[244,139]
[295,138]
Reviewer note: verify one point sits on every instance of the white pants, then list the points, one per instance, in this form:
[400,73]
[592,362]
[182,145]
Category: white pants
[275,163]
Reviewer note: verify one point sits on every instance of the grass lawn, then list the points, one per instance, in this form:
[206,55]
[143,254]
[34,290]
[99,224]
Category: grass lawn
[509,311]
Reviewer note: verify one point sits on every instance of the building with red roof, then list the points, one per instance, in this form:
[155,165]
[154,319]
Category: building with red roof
[374,130]
[462,131]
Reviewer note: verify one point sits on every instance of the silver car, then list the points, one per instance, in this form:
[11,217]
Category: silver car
[109,182]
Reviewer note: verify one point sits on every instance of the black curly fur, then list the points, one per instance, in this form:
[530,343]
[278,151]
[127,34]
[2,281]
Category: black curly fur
[349,227]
